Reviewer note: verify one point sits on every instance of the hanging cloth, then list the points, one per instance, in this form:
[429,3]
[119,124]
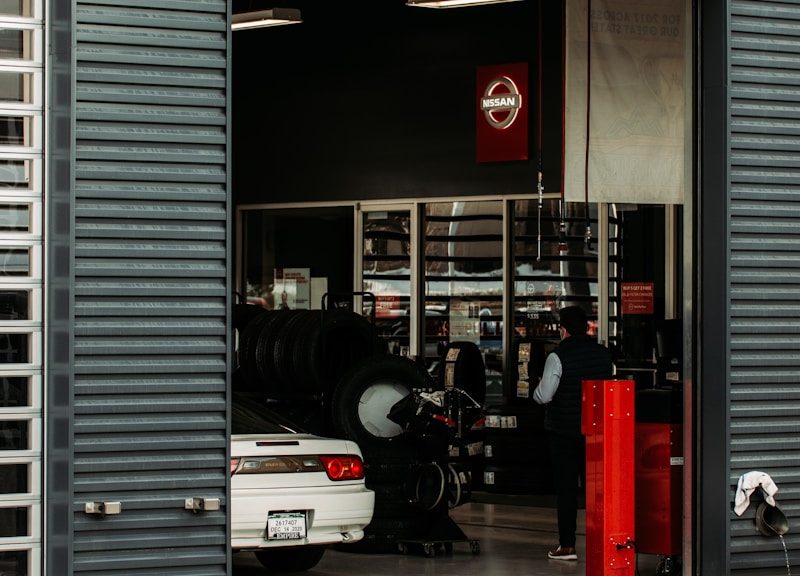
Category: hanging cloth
[747,484]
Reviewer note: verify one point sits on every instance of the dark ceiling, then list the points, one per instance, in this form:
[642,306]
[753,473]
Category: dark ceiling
[376,99]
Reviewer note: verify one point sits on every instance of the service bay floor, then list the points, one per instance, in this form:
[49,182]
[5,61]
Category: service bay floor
[513,541]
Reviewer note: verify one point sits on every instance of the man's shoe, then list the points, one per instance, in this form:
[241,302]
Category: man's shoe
[566,553]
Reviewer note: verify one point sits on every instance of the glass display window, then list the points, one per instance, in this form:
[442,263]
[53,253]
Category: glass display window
[463,281]
[386,274]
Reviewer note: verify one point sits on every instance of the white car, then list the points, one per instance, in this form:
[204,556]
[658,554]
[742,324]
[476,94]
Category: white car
[292,493]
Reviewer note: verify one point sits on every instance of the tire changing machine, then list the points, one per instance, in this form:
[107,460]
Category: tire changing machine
[437,485]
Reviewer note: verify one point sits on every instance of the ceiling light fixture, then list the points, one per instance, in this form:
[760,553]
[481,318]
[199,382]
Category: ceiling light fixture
[453,3]
[262,18]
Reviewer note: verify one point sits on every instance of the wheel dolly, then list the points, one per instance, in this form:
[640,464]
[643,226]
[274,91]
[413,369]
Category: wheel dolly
[444,532]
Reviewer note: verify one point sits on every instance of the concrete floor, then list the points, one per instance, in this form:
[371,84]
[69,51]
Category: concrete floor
[513,541]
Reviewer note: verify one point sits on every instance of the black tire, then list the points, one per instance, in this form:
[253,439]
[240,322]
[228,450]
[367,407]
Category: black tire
[283,351]
[268,330]
[429,487]
[363,398]
[248,349]
[290,558]
[459,484]
[346,338]
[327,344]
[242,314]
[462,366]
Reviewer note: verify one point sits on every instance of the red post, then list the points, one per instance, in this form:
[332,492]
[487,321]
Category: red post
[608,424]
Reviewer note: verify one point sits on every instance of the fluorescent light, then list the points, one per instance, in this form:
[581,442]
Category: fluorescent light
[262,18]
[453,3]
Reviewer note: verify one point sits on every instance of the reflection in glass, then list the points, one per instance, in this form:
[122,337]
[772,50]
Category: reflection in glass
[14,435]
[15,173]
[16,7]
[387,275]
[14,262]
[14,391]
[13,522]
[14,348]
[13,130]
[14,479]
[15,44]
[553,267]
[464,281]
[15,86]
[320,241]
[15,562]
[14,305]
[15,218]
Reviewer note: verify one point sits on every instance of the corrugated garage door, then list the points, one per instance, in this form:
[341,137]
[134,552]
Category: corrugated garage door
[765,266]
[151,221]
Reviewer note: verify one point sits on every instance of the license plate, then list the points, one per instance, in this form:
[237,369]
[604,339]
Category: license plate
[286,525]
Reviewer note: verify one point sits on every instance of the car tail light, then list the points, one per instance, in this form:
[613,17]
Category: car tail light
[343,467]
[234,465]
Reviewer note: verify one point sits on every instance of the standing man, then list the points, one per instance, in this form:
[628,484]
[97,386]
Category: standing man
[578,357]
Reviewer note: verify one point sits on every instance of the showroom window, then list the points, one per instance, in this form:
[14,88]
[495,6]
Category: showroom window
[386,275]
[432,273]
[21,219]
[464,281]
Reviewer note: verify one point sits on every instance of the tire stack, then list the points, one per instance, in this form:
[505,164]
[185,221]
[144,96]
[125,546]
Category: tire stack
[295,358]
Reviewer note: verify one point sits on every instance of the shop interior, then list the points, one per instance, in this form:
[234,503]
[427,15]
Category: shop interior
[355,184]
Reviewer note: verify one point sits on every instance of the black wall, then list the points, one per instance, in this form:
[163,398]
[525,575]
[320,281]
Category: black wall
[376,100]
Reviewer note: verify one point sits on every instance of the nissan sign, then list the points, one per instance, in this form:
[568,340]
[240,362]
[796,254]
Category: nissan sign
[501,102]
[501,112]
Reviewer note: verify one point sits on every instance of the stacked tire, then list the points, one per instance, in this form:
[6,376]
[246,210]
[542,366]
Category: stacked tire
[302,352]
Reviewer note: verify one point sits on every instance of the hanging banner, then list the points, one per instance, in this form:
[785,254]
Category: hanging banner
[501,121]
[639,87]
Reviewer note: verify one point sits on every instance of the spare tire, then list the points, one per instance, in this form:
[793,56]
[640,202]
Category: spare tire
[363,398]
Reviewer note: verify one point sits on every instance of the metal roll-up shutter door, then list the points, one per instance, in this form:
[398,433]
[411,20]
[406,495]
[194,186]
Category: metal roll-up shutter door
[765,266]
[151,287]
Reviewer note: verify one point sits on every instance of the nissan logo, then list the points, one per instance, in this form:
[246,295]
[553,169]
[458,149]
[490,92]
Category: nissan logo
[501,102]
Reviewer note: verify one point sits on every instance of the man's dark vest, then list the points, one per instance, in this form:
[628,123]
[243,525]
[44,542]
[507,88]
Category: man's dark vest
[582,358]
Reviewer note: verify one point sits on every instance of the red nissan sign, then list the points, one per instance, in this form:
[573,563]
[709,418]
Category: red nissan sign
[501,121]
[637,297]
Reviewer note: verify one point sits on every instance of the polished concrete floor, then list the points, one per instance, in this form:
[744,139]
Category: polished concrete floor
[513,541]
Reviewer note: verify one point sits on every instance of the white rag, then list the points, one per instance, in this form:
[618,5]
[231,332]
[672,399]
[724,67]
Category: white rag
[747,484]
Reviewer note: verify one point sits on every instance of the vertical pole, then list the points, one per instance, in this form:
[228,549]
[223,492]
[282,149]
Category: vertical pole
[608,424]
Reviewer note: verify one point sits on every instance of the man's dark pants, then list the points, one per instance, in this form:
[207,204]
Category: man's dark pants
[568,462]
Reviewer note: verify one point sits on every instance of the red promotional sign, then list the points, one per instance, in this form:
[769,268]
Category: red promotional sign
[501,119]
[388,306]
[637,297]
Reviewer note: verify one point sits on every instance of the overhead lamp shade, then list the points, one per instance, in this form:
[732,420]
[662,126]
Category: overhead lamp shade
[263,18]
[453,3]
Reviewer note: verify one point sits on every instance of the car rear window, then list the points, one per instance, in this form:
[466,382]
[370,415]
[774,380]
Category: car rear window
[251,416]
